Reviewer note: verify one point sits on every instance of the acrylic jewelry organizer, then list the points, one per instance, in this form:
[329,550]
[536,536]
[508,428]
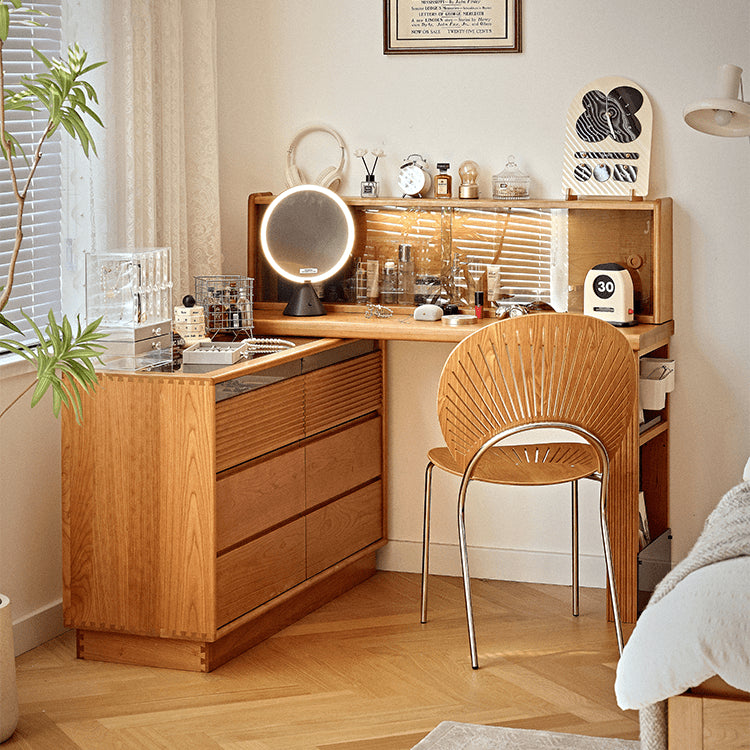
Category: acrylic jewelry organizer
[131,290]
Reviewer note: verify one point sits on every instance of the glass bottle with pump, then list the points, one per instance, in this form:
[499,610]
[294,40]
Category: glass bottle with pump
[443,181]
[406,275]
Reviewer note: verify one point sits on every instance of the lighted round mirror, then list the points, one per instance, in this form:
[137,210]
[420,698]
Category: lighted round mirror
[307,235]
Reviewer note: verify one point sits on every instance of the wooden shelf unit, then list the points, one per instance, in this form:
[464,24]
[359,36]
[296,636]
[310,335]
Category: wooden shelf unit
[197,522]
[637,234]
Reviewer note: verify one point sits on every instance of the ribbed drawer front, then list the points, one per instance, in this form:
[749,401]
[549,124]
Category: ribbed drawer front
[258,422]
[252,574]
[344,527]
[259,495]
[343,460]
[342,392]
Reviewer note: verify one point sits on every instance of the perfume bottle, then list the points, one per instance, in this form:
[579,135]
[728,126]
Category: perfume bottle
[214,318]
[369,187]
[233,315]
[245,307]
[405,275]
[443,181]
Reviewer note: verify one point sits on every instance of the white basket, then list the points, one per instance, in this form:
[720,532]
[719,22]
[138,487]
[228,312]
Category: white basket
[656,381]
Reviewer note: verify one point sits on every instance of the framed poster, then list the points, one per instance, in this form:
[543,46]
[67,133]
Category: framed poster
[454,26]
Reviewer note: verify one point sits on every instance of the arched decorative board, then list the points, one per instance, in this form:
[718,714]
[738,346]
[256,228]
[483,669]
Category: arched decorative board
[608,140]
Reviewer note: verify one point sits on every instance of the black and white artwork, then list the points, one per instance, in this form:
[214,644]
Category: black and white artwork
[612,115]
[608,140]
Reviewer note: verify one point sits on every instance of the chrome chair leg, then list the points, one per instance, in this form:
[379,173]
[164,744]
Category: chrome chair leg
[465,571]
[608,556]
[426,537]
[574,530]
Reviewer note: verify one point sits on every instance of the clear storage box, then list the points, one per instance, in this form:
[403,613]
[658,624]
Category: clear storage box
[511,183]
[131,290]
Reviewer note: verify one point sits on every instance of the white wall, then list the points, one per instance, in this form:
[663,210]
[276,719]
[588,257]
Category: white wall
[292,62]
[30,516]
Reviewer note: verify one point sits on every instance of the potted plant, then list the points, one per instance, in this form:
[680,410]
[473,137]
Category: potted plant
[63,358]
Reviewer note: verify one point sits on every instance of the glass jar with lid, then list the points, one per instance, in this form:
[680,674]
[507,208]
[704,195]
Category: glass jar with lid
[511,183]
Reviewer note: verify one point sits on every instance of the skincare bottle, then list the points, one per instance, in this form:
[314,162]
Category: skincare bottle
[493,282]
[443,181]
[369,187]
[406,275]
[373,281]
[389,287]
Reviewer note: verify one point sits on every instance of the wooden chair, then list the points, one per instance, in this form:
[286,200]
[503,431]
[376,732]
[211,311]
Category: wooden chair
[547,370]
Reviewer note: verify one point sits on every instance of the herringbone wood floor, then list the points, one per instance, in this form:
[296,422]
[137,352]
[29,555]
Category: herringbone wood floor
[360,673]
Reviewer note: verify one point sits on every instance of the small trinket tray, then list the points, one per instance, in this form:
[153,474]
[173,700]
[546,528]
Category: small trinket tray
[214,352]
[459,320]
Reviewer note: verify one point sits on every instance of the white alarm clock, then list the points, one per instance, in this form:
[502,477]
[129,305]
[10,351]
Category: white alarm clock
[608,294]
[413,177]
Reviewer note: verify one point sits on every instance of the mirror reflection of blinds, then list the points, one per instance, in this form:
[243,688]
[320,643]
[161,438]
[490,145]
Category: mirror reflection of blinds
[522,241]
[519,240]
[36,287]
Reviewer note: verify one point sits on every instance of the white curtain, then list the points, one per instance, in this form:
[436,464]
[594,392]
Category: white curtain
[156,180]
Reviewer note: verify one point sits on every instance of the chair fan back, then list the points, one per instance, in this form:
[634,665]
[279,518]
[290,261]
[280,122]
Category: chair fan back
[545,367]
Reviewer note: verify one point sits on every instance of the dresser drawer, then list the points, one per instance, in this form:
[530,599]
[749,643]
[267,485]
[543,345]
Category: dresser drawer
[344,527]
[259,495]
[258,422]
[343,460]
[252,574]
[343,392]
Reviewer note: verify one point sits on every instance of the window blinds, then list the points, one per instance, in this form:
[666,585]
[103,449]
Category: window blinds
[462,242]
[36,287]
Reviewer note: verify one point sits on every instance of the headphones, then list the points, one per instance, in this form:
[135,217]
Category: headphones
[330,177]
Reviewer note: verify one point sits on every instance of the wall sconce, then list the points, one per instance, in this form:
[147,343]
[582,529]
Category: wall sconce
[726,114]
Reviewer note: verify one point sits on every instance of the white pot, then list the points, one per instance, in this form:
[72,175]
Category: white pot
[8,694]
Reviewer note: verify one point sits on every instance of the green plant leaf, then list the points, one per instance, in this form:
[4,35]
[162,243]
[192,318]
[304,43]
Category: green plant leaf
[9,324]
[4,22]
[64,359]
[64,93]
[64,362]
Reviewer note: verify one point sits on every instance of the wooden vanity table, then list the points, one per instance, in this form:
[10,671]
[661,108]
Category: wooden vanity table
[635,233]
[203,512]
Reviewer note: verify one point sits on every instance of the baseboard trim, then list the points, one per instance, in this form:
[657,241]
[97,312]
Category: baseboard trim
[38,627]
[529,566]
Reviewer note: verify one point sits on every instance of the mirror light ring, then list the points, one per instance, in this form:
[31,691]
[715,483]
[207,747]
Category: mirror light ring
[297,278]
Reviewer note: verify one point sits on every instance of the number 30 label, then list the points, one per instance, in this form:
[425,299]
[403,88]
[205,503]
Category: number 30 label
[604,286]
